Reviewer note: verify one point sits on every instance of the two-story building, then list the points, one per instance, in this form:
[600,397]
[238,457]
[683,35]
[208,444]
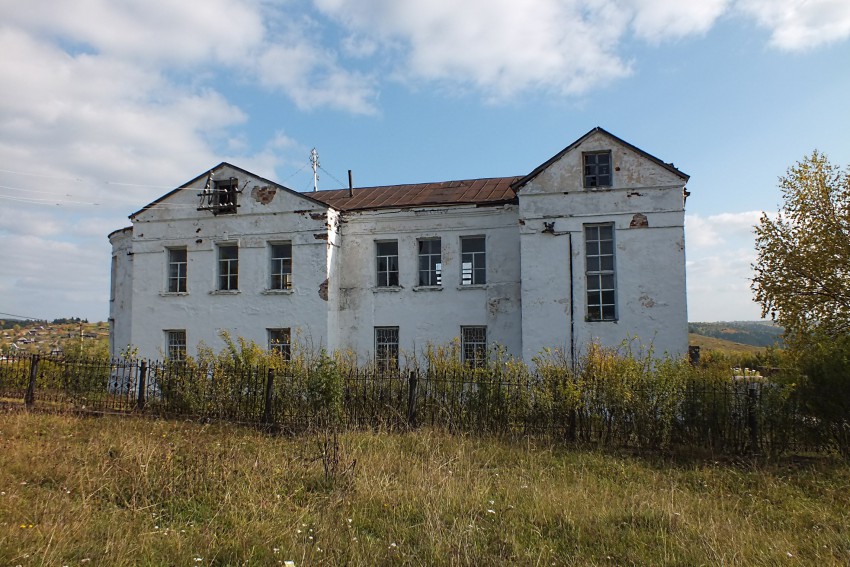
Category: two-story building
[589,246]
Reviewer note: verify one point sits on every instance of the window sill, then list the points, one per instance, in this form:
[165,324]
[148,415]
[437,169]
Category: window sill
[588,320]
[225,292]
[289,291]
[173,293]
[473,286]
[428,288]
[388,288]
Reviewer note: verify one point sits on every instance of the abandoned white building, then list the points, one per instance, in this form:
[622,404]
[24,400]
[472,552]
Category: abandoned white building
[589,246]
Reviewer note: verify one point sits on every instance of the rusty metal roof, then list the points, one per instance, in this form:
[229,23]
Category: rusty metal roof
[491,191]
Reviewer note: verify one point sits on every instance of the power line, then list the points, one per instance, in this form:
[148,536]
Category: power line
[23,317]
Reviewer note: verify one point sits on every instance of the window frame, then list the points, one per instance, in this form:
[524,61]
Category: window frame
[476,259]
[224,198]
[600,273]
[228,268]
[595,174]
[432,273]
[389,344]
[279,278]
[175,345]
[473,350]
[283,344]
[386,275]
[172,281]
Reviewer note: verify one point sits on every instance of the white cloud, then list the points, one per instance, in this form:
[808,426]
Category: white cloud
[497,46]
[720,251]
[801,24]
[658,20]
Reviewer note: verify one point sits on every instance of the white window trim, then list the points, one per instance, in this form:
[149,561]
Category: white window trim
[612,272]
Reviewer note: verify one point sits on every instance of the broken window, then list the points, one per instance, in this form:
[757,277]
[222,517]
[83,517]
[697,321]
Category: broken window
[599,258]
[228,267]
[597,169]
[177,266]
[175,345]
[219,196]
[279,342]
[281,266]
[473,261]
[386,348]
[387,258]
[430,262]
[473,341]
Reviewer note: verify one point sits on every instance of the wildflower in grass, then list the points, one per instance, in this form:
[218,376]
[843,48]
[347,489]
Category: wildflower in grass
[491,511]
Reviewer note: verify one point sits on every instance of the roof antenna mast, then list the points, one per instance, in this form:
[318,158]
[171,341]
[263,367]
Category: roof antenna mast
[314,160]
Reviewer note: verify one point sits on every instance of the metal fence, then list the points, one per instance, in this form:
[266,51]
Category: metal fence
[727,415]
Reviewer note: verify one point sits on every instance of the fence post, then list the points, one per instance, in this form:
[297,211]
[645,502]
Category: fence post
[752,414]
[411,399]
[143,374]
[267,412]
[29,397]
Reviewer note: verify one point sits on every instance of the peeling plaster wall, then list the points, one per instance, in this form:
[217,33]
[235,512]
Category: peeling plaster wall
[432,316]
[121,291]
[203,311]
[646,206]
[534,297]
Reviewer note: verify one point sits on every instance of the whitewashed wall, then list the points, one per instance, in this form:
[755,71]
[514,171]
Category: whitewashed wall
[429,315]
[650,260]
[203,312]
[121,291]
[534,297]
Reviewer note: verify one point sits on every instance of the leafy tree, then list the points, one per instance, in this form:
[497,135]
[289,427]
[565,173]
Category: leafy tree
[802,268]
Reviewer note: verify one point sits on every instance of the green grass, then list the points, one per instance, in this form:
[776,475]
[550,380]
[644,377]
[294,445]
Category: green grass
[112,491]
[706,344]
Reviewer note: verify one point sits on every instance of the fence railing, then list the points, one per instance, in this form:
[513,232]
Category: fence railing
[728,415]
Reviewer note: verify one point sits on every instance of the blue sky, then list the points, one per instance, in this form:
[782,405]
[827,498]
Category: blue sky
[109,105]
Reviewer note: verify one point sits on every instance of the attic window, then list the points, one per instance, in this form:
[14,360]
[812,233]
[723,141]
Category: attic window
[219,196]
[597,169]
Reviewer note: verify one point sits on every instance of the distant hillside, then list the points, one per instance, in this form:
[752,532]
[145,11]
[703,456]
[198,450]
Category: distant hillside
[17,337]
[754,333]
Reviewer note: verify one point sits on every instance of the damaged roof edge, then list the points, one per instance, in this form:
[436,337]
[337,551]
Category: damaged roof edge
[188,185]
[114,232]
[517,185]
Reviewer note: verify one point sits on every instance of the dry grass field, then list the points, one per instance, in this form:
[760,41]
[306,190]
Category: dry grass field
[110,491]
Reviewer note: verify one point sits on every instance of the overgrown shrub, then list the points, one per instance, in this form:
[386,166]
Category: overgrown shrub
[825,390]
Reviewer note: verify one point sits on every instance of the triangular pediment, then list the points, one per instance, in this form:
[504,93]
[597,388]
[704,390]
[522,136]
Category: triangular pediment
[206,196]
[629,168]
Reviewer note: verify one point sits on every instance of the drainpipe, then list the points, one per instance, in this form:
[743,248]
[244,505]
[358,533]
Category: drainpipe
[572,303]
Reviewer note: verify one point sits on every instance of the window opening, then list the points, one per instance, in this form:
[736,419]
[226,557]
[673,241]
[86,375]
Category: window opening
[228,267]
[386,348]
[597,169]
[387,259]
[430,262]
[473,261]
[599,258]
[177,267]
[175,345]
[474,346]
[279,342]
[281,266]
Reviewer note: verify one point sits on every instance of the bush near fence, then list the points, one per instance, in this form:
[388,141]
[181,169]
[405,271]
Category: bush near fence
[610,398]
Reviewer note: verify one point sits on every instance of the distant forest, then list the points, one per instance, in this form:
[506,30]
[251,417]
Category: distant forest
[755,333]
